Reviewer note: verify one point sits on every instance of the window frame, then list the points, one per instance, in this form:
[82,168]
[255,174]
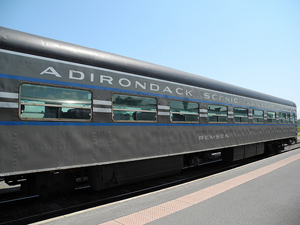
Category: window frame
[55,119]
[282,120]
[258,117]
[133,110]
[271,118]
[294,121]
[235,116]
[184,113]
[208,115]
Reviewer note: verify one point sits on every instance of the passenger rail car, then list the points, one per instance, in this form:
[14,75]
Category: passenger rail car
[68,112]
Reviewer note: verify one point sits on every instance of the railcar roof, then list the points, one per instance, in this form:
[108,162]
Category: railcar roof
[41,46]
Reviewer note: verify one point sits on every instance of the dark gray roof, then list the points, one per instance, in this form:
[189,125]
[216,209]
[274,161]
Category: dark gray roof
[41,46]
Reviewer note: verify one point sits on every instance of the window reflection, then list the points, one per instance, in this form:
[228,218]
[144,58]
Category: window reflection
[183,111]
[271,117]
[217,113]
[258,116]
[134,108]
[46,102]
[240,115]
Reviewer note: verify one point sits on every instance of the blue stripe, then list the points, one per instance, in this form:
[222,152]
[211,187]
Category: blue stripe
[55,82]
[31,123]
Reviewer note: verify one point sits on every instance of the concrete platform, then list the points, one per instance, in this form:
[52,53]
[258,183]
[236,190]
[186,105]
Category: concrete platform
[264,192]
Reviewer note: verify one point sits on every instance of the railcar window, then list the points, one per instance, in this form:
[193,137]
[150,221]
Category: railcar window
[293,118]
[240,115]
[182,111]
[282,117]
[134,108]
[271,117]
[55,103]
[258,116]
[217,113]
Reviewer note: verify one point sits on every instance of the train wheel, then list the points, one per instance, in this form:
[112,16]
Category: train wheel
[278,147]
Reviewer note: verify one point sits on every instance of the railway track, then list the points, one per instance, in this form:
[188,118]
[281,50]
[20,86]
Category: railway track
[32,208]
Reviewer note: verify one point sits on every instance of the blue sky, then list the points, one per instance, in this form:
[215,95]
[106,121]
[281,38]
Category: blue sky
[254,44]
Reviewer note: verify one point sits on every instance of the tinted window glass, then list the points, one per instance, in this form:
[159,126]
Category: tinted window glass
[258,116]
[46,102]
[134,108]
[282,117]
[217,113]
[271,117]
[182,111]
[240,115]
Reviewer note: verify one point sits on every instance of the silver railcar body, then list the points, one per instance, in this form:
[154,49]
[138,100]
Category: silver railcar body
[66,107]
